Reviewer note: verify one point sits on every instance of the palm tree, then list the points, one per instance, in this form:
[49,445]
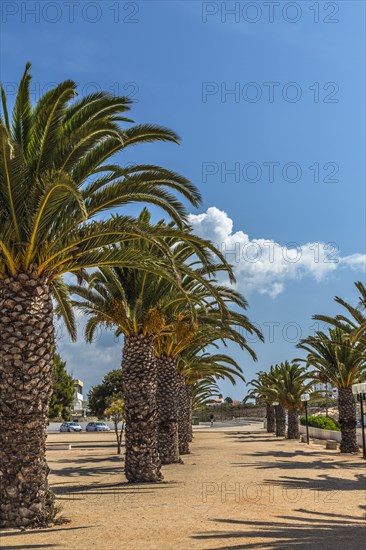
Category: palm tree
[354,322]
[173,395]
[138,303]
[130,300]
[343,363]
[262,391]
[200,369]
[57,183]
[292,382]
[195,364]
[272,380]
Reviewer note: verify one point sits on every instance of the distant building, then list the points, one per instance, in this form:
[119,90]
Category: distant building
[216,402]
[332,392]
[78,396]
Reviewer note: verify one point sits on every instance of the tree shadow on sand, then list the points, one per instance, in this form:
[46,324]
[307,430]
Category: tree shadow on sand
[254,437]
[323,482]
[94,467]
[291,460]
[306,530]
[119,491]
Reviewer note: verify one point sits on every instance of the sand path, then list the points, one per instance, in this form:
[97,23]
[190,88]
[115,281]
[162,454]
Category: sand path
[240,488]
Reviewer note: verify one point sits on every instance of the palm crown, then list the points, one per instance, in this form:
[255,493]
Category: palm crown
[354,321]
[56,183]
[290,381]
[334,357]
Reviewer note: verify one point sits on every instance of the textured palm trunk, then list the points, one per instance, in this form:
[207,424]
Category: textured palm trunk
[183,417]
[142,462]
[26,352]
[270,415]
[190,412]
[293,431]
[167,399]
[280,413]
[347,420]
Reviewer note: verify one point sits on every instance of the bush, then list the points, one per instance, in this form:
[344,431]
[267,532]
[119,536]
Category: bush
[323,422]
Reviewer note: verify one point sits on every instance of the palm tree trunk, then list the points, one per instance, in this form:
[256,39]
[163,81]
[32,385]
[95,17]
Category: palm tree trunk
[26,362]
[293,431]
[142,462]
[183,417]
[167,399]
[347,420]
[270,415]
[280,413]
[190,412]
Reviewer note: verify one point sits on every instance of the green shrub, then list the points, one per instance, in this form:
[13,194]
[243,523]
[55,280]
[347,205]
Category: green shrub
[323,422]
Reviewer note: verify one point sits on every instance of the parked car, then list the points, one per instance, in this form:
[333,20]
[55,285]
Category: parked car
[97,427]
[70,427]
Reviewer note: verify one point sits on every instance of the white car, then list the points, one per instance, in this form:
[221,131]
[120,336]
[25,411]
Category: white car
[97,427]
[70,427]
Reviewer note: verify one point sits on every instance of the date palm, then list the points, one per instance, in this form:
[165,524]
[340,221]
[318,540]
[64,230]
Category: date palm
[353,322]
[291,383]
[174,395]
[197,370]
[272,379]
[261,391]
[57,184]
[137,304]
[210,331]
[343,363]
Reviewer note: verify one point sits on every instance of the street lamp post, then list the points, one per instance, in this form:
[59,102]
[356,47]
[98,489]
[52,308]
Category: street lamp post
[305,398]
[359,391]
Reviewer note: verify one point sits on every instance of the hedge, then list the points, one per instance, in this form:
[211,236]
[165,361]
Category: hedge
[323,422]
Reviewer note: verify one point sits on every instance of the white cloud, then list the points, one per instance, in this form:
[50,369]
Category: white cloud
[265,266]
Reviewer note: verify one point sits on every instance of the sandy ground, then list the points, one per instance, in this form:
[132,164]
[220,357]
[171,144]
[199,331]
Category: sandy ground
[239,488]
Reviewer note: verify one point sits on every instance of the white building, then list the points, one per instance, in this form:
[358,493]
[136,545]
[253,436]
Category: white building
[326,389]
[78,396]
[216,402]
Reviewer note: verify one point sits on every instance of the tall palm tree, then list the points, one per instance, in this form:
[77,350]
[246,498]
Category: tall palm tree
[343,363]
[57,183]
[194,363]
[201,289]
[354,321]
[261,390]
[137,304]
[292,381]
[198,369]
[272,379]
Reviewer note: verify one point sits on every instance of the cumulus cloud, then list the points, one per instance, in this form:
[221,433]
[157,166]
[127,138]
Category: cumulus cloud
[263,265]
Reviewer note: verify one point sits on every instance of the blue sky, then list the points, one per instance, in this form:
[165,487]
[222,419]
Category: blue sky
[276,98]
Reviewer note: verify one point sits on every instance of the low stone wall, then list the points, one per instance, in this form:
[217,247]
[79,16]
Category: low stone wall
[227,412]
[318,433]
